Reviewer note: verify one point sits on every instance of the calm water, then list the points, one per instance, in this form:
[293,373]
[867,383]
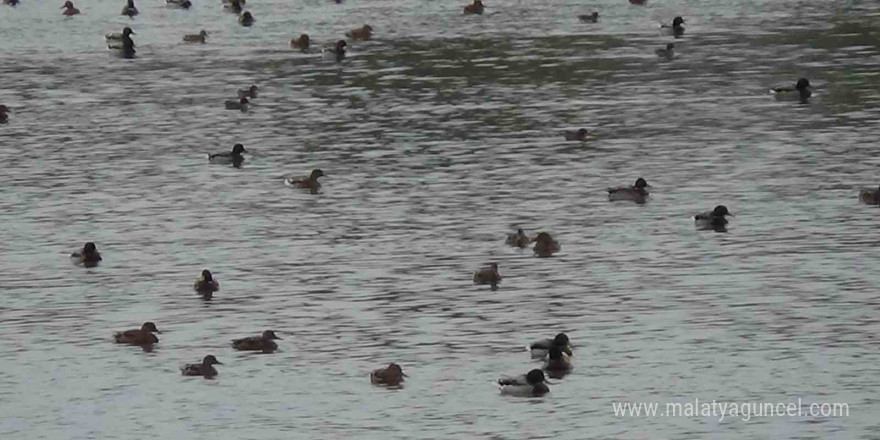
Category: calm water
[438,138]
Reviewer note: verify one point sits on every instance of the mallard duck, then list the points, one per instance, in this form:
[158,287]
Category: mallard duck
[241,104]
[579,135]
[668,53]
[636,193]
[129,9]
[676,29]
[391,376]
[206,368]
[475,8]
[488,275]
[528,385]
[336,52]
[179,4]
[519,239]
[540,349]
[311,182]
[301,43]
[141,336]
[364,32]
[262,343]
[713,219]
[206,285]
[250,92]
[870,196]
[88,256]
[69,10]
[545,245]
[246,19]
[235,158]
[558,363]
[801,91]
[196,38]
[592,18]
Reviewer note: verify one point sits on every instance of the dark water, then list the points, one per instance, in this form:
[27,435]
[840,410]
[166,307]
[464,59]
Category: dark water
[438,138]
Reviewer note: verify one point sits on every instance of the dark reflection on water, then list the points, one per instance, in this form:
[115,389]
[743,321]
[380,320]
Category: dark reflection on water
[437,138]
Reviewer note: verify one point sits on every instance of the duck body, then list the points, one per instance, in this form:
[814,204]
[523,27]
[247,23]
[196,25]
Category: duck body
[246,19]
[518,239]
[667,53]
[870,196]
[530,384]
[69,9]
[364,32]
[141,336]
[714,219]
[311,182]
[88,256]
[241,104]
[391,376]
[264,342]
[636,193]
[196,38]
[475,8]
[540,349]
[129,9]
[206,285]
[545,245]
[592,18]
[178,4]
[801,91]
[301,43]
[337,52]
[206,368]
[676,29]
[558,363]
[250,92]
[579,135]
[488,275]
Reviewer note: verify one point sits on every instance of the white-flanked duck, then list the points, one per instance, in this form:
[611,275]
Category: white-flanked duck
[129,9]
[264,342]
[336,52]
[122,42]
[636,193]
[88,256]
[196,38]
[206,368]
[714,219]
[801,91]
[488,275]
[69,9]
[206,285]
[676,30]
[531,384]
[241,104]
[540,349]
[390,376]
[234,157]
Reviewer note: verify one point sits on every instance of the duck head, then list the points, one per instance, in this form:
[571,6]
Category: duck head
[802,84]
[68,4]
[90,248]
[203,33]
[394,370]
[150,327]
[544,237]
[670,46]
[677,22]
[211,360]
[304,38]
[316,173]
[206,275]
[594,15]
[238,148]
[243,100]
[252,89]
[340,46]
[561,340]
[127,31]
[130,3]
[4,109]
[720,211]
[269,334]
[367,28]
[641,183]
[555,353]
[535,377]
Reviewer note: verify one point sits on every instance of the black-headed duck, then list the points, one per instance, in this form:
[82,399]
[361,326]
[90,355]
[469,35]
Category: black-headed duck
[206,368]
[246,19]
[528,385]
[592,18]
[391,376]
[714,219]
[519,239]
[206,285]
[558,363]
[579,135]
[364,32]
[668,53]
[676,29]
[488,275]
[141,336]
[250,92]
[4,117]
[475,8]
[234,6]
[241,104]
[870,196]
[264,342]
[69,10]
[311,182]
[801,91]
[122,42]
[196,38]
[636,193]
[88,256]
[545,245]
[129,9]
[301,43]
[336,52]
[178,4]
[540,349]
[234,157]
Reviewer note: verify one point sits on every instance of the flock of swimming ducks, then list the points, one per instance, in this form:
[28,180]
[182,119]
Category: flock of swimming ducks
[555,352]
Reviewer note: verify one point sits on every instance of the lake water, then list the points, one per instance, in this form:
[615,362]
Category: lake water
[438,138]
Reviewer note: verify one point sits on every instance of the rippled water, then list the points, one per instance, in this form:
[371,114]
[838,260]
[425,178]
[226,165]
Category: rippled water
[437,138]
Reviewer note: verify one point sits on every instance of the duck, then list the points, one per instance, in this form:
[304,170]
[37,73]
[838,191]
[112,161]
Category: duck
[241,104]
[129,9]
[4,117]
[714,219]
[235,158]
[518,239]
[206,368]
[579,135]
[391,376]
[558,363]
[179,4]
[234,6]
[141,336]
[10,2]
[69,10]
[475,8]
[246,19]
[668,53]
[122,42]
[488,275]
[676,29]
[262,343]
[545,245]
[638,2]
[592,18]
[301,43]
[636,193]
[531,384]
[226,2]
[88,256]
[196,38]
[540,349]
[206,285]
[364,32]
[250,92]
[867,196]
[311,182]
[336,52]
[800,91]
